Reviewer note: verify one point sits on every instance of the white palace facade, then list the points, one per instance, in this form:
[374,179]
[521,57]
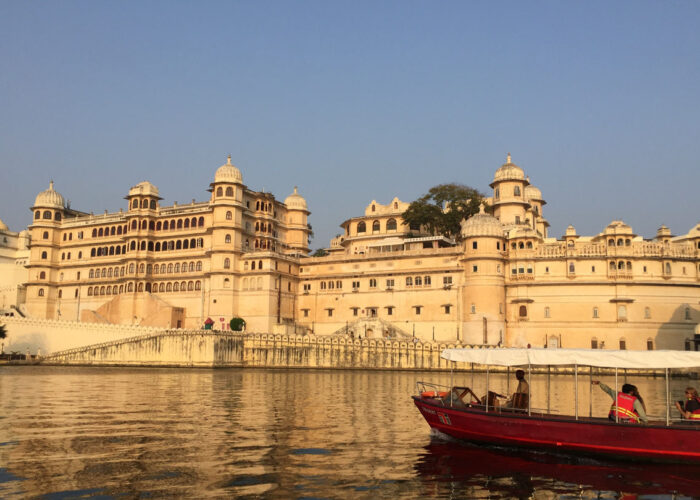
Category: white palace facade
[244,253]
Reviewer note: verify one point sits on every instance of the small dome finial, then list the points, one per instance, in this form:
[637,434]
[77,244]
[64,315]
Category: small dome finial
[228,161]
[51,184]
[508,158]
[295,190]
[482,208]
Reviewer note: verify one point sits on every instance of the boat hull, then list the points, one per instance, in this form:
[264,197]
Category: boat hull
[677,443]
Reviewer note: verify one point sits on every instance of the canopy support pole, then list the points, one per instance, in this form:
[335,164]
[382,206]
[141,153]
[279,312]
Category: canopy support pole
[617,393]
[668,399]
[549,376]
[452,382]
[529,384]
[508,380]
[590,391]
[576,391]
[487,388]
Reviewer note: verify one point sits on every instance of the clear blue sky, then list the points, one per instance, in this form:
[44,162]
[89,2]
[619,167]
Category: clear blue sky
[598,101]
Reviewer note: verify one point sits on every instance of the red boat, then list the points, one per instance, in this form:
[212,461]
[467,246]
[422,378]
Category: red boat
[459,413]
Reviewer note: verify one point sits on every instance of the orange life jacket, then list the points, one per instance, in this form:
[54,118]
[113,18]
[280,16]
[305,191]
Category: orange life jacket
[695,414]
[624,409]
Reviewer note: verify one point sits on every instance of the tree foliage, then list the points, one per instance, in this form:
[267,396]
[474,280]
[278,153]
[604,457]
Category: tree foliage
[319,252]
[443,208]
[3,332]
[237,324]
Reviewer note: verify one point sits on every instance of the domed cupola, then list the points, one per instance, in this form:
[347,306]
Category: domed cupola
[3,226]
[49,198]
[295,201]
[482,224]
[533,194]
[509,171]
[228,173]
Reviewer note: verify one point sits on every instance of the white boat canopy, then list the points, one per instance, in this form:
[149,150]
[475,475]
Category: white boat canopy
[583,357]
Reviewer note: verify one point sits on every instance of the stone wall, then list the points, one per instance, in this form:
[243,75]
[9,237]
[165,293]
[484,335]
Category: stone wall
[44,336]
[203,348]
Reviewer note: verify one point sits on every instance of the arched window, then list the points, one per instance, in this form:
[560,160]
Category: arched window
[130,287]
[161,288]
[42,275]
[650,344]
[227,239]
[199,266]
[516,191]
[60,294]
[43,255]
[594,343]
[148,287]
[418,281]
[219,192]
[89,292]
[134,224]
[178,245]
[135,204]
[170,268]
[197,285]
[521,245]
[46,235]
[522,311]
[177,267]
[58,216]
[144,224]
[142,268]
[200,222]
[187,223]
[41,292]
[667,268]
[47,214]
[621,265]
[185,244]
[131,269]
[391,225]
[121,288]
[165,225]
[92,273]
[376,226]
[193,222]
[572,268]
[620,242]
[595,312]
[37,214]
[611,242]
[612,265]
[252,266]
[229,215]
[629,266]
[229,191]
[169,287]
[409,281]
[94,233]
[190,286]
[361,227]
[529,244]
[179,223]
[259,264]
[200,242]
[176,287]
[191,267]
[109,272]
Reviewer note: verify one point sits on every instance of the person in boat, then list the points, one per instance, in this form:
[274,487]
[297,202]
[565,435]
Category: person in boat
[521,394]
[690,408]
[630,405]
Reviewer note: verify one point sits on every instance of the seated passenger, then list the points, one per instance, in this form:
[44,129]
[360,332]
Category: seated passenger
[630,405]
[520,397]
[690,408]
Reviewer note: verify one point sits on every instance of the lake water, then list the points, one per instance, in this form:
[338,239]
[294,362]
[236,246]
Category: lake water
[125,432]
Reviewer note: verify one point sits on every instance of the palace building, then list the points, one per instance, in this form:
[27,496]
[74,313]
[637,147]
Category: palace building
[244,253]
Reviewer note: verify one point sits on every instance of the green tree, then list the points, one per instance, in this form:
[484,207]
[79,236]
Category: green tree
[443,208]
[237,324]
[319,252]
[3,332]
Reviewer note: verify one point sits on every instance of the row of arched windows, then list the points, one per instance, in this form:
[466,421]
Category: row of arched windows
[418,281]
[620,266]
[620,242]
[149,246]
[47,215]
[376,226]
[263,245]
[145,203]
[107,272]
[521,245]
[252,284]
[220,192]
[262,227]
[113,250]
[252,265]
[109,231]
[177,286]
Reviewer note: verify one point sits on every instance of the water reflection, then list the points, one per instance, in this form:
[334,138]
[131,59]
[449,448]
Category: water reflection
[263,433]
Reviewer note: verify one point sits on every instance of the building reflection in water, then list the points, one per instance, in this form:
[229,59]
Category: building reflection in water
[270,433]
